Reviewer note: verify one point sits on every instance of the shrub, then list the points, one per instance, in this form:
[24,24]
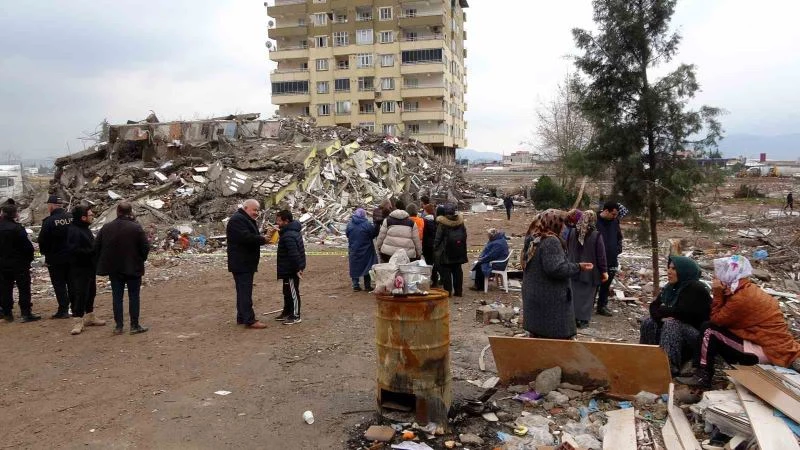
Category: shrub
[747,191]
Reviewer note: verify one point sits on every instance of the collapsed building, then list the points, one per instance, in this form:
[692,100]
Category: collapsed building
[199,171]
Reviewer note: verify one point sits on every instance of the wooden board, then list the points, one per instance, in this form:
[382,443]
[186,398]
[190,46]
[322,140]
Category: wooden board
[683,429]
[671,441]
[767,392]
[771,432]
[621,430]
[628,368]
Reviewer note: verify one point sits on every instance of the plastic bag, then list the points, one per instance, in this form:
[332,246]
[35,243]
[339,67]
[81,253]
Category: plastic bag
[384,275]
[399,257]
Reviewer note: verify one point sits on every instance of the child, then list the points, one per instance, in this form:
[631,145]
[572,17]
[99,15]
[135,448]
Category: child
[291,263]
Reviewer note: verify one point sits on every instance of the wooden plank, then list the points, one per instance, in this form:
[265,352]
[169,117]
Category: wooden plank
[771,432]
[671,441]
[628,368]
[621,430]
[683,429]
[767,392]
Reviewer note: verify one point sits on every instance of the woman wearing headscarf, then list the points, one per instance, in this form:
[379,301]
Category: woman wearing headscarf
[746,327]
[380,214]
[678,313]
[494,250]
[360,249]
[585,244]
[548,311]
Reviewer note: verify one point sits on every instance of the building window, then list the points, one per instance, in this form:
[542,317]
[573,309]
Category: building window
[387,60]
[388,106]
[322,64]
[369,126]
[412,128]
[366,83]
[343,107]
[340,18]
[389,128]
[411,83]
[321,41]
[410,12]
[341,85]
[342,64]
[290,87]
[364,60]
[422,56]
[386,37]
[324,109]
[410,106]
[366,107]
[411,35]
[322,87]
[319,19]
[320,1]
[341,39]
[364,37]
[387,84]
[385,13]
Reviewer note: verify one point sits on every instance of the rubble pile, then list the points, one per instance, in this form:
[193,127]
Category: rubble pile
[198,172]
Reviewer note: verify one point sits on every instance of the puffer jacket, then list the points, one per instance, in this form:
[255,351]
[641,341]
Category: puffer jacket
[291,254]
[445,226]
[399,232]
[754,315]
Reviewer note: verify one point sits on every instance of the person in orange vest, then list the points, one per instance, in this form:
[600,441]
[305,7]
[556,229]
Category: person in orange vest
[412,211]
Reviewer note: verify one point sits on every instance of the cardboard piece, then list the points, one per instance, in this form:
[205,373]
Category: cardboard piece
[768,392]
[379,433]
[621,431]
[628,368]
[771,432]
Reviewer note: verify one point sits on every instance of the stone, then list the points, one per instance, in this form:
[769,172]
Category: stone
[574,387]
[494,321]
[547,406]
[504,416]
[484,314]
[573,413]
[518,389]
[470,439]
[762,275]
[569,393]
[587,441]
[557,397]
[646,398]
[505,314]
[379,433]
[548,380]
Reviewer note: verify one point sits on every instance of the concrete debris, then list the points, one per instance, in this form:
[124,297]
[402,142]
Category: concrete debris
[548,380]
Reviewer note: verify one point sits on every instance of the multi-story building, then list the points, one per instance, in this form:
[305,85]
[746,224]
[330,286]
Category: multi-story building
[392,66]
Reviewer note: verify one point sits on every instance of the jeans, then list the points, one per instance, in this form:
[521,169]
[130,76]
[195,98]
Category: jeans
[22,278]
[134,284]
[244,298]
[367,281]
[602,296]
[59,277]
[452,278]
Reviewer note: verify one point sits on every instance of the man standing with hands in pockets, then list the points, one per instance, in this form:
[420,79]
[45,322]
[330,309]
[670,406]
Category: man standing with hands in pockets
[291,263]
[244,251]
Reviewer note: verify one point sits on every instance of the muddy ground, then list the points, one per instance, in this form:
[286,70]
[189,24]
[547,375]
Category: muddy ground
[157,390]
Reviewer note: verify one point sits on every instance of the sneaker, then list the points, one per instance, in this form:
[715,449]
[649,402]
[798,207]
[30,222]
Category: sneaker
[356,288]
[604,312]
[60,315]
[138,329]
[30,317]
[117,331]
[292,320]
[282,317]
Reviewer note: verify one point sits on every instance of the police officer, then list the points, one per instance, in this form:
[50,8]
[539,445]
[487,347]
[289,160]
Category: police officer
[53,245]
[16,254]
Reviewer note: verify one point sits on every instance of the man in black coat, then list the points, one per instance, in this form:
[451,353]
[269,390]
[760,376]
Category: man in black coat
[244,250]
[53,245]
[16,254]
[122,248]
[608,226]
[82,278]
[291,262]
[508,202]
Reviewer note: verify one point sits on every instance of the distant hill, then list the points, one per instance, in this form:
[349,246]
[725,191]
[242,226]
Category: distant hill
[785,146]
[474,155]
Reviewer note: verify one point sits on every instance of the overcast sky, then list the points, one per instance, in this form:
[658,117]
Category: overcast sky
[67,65]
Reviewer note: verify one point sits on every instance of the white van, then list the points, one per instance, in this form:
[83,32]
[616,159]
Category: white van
[11,182]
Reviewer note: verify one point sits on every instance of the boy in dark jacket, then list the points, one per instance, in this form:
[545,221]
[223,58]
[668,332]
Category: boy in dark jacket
[291,263]
[16,254]
[608,226]
[82,279]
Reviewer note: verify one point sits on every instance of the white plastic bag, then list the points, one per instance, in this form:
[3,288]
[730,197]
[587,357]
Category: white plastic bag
[399,257]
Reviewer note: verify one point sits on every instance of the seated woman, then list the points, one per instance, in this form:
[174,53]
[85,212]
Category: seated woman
[494,250]
[746,327]
[677,314]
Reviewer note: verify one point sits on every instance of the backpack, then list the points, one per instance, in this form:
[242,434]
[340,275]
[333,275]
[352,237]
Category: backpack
[456,242]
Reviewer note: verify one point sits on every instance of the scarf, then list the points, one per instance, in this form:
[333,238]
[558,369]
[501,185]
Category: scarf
[688,271]
[586,225]
[732,269]
[546,223]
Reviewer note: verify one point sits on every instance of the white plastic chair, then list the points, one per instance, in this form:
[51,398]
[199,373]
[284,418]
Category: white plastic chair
[503,273]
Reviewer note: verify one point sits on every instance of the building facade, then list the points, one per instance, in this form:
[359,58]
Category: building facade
[392,66]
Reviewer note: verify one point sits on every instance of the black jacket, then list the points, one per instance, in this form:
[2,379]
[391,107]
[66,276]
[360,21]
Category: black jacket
[81,244]
[53,237]
[16,250]
[291,251]
[428,238]
[693,306]
[244,243]
[446,249]
[121,248]
[612,238]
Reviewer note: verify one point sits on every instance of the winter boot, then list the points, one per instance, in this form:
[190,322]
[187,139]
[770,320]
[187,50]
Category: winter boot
[90,320]
[78,327]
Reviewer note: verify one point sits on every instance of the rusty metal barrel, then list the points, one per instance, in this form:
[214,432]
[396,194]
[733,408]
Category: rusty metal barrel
[412,335]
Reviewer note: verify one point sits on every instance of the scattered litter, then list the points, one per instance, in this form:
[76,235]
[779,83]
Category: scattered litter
[223,393]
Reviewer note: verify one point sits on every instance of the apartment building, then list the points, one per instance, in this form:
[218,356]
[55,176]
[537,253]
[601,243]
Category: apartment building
[392,66]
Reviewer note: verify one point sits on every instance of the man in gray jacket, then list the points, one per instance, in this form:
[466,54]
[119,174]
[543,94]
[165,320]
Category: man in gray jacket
[399,232]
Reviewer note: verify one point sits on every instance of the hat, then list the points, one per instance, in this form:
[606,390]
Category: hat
[54,199]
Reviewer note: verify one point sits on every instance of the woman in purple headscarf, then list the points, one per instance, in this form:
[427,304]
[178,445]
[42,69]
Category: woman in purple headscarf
[361,249]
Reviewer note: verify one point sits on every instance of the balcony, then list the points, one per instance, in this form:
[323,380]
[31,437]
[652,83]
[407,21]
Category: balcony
[292,97]
[421,19]
[433,137]
[422,114]
[294,30]
[423,91]
[289,75]
[290,52]
[422,67]
[283,7]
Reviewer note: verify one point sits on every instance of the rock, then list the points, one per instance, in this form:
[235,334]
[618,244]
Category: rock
[557,397]
[494,321]
[518,389]
[646,398]
[569,393]
[684,395]
[484,314]
[547,406]
[504,416]
[470,439]
[574,387]
[762,274]
[505,314]
[588,441]
[791,285]
[573,413]
[548,380]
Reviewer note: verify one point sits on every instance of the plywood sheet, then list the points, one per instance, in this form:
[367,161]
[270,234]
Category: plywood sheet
[767,392]
[621,430]
[771,432]
[671,441]
[628,368]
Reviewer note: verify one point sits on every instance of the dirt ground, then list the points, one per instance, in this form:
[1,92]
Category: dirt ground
[157,390]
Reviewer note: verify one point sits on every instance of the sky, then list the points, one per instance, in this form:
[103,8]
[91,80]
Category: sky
[68,65]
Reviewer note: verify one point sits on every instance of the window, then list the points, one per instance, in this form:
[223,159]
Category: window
[366,107]
[369,126]
[366,83]
[387,60]
[410,12]
[363,15]
[342,64]
[385,13]
[342,107]
[412,83]
[421,56]
[324,109]
[341,39]
[364,60]
[412,128]
[364,37]
[411,35]
[6,182]
[410,106]
[322,87]
[306,110]
[389,106]
[386,37]
[321,41]
[387,84]
[304,65]
[341,85]
[389,128]
[322,64]
[319,19]
[340,18]
[290,87]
